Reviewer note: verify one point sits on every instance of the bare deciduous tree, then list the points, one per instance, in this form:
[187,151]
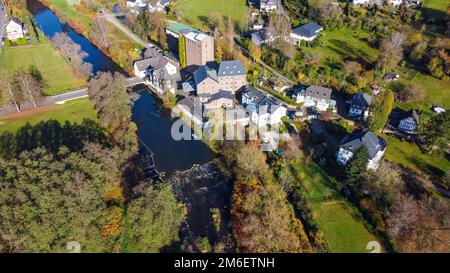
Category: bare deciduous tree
[99,31]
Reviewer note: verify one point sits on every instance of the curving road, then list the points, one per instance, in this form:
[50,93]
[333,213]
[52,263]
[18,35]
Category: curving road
[80,93]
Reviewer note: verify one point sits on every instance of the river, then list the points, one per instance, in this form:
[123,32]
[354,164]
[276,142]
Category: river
[153,122]
[199,189]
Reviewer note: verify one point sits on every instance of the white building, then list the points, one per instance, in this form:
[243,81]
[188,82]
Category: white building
[137,6]
[307,32]
[158,5]
[159,72]
[315,96]
[15,29]
[395,3]
[267,5]
[263,110]
[353,142]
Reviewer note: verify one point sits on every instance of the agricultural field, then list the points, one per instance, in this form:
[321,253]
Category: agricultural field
[196,12]
[55,69]
[342,225]
[74,111]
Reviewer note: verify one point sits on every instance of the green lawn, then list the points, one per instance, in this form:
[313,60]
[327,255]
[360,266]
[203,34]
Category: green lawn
[344,44]
[435,7]
[54,68]
[70,13]
[436,91]
[342,225]
[196,12]
[73,111]
[343,228]
[409,155]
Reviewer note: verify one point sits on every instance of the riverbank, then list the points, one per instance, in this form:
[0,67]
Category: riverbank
[121,50]
[55,69]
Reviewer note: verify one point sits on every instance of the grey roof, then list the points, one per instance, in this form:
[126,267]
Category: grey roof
[151,52]
[260,99]
[253,94]
[358,138]
[257,37]
[143,64]
[231,68]
[157,64]
[190,104]
[221,94]
[204,72]
[308,30]
[362,99]
[318,92]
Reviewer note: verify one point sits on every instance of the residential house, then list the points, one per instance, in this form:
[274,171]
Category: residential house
[353,142]
[315,96]
[194,48]
[267,5]
[263,36]
[307,32]
[159,72]
[359,105]
[15,29]
[137,6]
[405,121]
[158,5]
[263,110]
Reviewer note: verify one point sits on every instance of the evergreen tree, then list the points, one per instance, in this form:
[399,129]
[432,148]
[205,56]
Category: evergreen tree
[436,133]
[357,167]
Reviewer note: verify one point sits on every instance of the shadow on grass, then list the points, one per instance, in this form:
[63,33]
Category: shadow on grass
[350,52]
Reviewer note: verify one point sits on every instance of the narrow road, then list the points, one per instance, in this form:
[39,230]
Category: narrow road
[116,22]
[76,94]
[273,71]
[2,20]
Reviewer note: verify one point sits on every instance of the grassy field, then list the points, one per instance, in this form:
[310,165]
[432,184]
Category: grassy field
[436,90]
[54,68]
[71,13]
[73,111]
[436,8]
[409,155]
[342,225]
[196,12]
[344,44]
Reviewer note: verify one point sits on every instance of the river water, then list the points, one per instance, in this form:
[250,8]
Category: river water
[201,190]
[154,123]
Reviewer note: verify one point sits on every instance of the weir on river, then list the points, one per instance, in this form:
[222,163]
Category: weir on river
[158,148]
